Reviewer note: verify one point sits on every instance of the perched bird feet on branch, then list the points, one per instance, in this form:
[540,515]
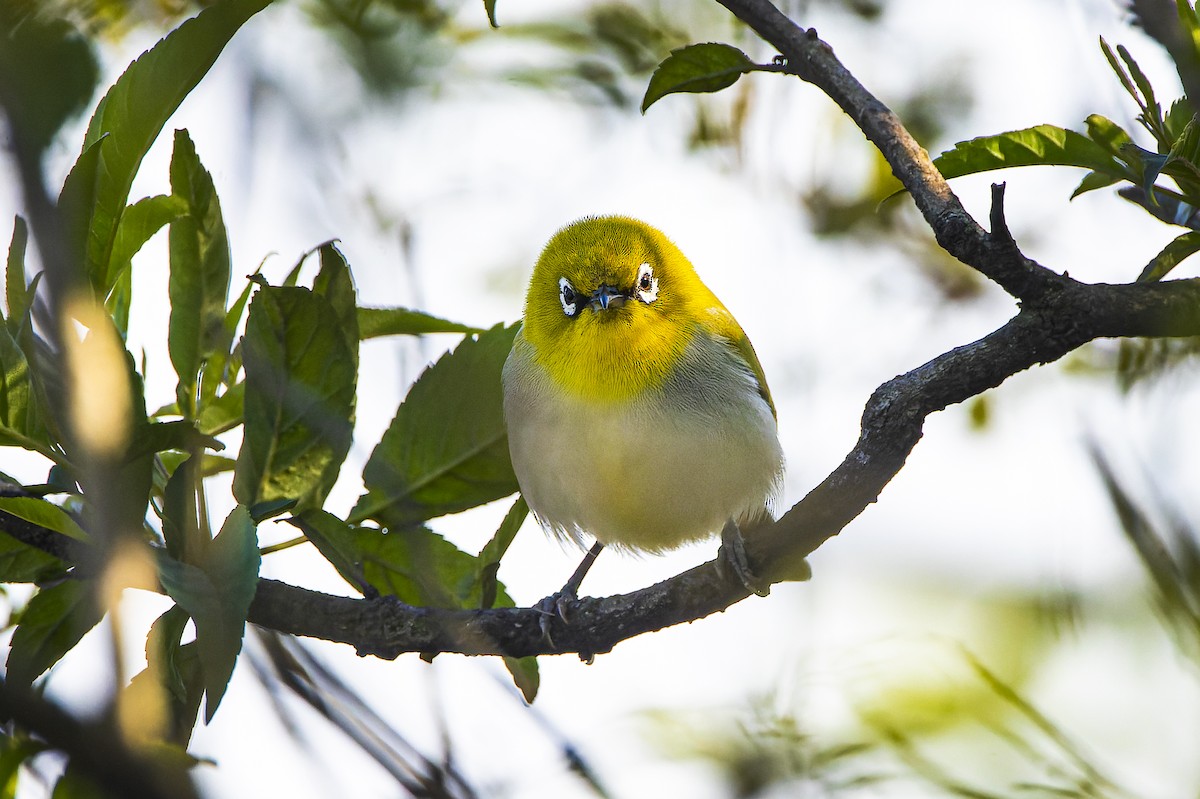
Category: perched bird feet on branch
[557,603]
[731,557]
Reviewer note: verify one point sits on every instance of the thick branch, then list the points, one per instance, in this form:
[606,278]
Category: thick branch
[1057,315]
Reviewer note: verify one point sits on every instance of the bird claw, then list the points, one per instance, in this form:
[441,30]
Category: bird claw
[732,556]
[555,605]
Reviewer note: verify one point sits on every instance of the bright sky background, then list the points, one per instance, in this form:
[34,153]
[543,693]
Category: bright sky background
[485,173]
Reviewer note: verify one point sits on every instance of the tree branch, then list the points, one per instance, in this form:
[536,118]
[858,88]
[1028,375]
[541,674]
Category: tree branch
[1057,315]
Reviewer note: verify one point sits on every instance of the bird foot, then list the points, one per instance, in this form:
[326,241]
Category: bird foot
[732,556]
[555,605]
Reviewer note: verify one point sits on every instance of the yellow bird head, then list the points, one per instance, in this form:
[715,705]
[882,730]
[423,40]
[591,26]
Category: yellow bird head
[612,306]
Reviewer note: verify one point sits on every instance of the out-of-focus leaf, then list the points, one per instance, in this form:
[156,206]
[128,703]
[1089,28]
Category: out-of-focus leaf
[216,593]
[19,418]
[172,675]
[136,107]
[44,514]
[1043,145]
[47,74]
[200,267]
[698,68]
[21,563]
[15,290]
[1181,247]
[375,322]
[224,412]
[15,749]
[54,621]
[299,403]
[446,450]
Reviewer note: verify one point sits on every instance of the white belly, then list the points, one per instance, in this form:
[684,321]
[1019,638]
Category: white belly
[649,474]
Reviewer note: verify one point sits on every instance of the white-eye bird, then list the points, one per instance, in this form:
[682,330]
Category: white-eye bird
[637,410]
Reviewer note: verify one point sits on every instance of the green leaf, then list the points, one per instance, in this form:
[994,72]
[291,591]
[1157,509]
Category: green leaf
[334,283]
[697,68]
[223,412]
[16,748]
[525,675]
[200,270]
[375,322]
[15,288]
[18,418]
[446,450]
[1170,257]
[135,108]
[139,222]
[1108,134]
[493,551]
[54,621]
[335,540]
[1043,145]
[1092,181]
[489,7]
[418,566]
[299,403]
[50,73]
[21,563]
[216,593]
[173,673]
[44,514]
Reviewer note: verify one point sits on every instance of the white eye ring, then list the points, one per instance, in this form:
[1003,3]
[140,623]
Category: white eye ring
[647,284]
[568,297]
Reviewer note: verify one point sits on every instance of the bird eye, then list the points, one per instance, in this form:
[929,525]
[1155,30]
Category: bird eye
[568,297]
[647,284]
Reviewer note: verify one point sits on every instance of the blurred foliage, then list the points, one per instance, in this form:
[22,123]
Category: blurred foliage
[1168,545]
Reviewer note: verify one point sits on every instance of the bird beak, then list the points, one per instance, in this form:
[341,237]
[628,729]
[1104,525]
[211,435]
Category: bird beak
[606,296]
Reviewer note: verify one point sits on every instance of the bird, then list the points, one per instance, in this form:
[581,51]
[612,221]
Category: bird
[636,409]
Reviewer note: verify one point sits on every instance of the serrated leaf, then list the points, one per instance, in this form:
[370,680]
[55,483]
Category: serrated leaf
[697,68]
[299,399]
[54,621]
[200,271]
[375,322]
[1179,248]
[446,450]
[216,592]
[44,514]
[135,108]
[1043,145]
